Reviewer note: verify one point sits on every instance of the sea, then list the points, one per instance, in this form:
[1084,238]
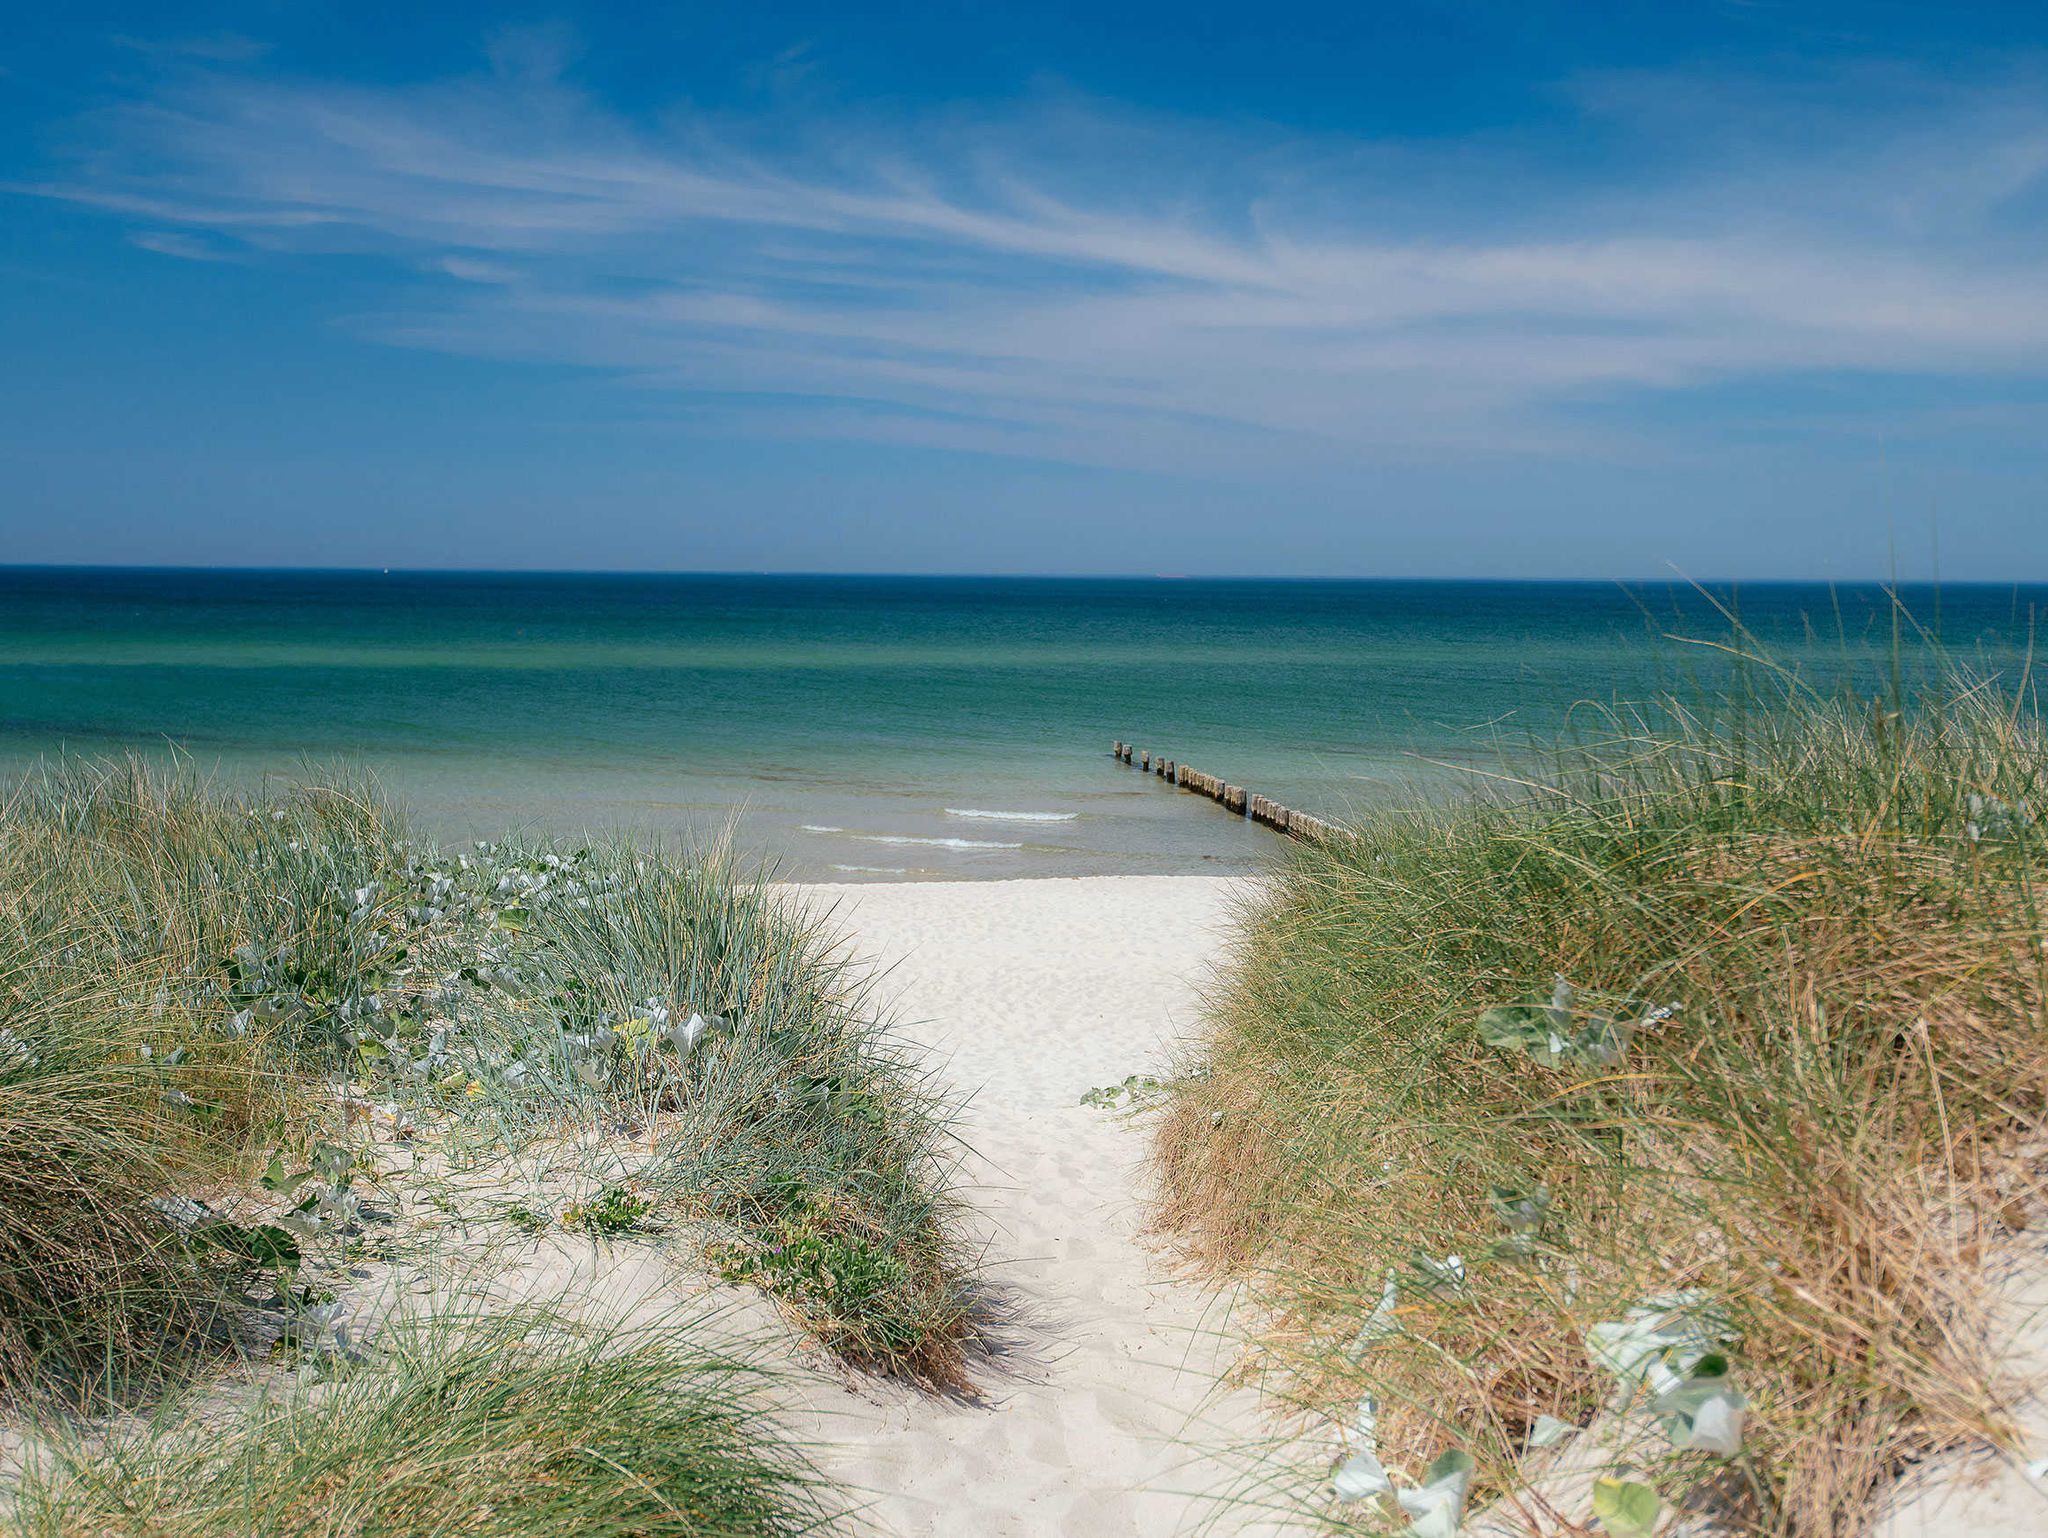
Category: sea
[897,728]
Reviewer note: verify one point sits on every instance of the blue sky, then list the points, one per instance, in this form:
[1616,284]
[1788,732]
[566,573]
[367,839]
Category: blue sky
[1740,289]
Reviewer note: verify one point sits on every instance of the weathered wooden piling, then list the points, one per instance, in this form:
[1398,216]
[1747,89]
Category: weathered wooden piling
[1232,798]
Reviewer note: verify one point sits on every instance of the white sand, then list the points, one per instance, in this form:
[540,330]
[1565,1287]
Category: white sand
[1029,993]
[1977,1491]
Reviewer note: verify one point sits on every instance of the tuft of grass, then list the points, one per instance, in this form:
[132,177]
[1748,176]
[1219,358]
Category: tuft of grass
[94,1286]
[132,1075]
[526,1423]
[793,1121]
[1796,1074]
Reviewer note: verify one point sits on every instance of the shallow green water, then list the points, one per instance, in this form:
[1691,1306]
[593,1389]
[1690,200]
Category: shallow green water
[855,724]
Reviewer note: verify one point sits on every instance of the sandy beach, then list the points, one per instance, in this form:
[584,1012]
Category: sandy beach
[1100,1418]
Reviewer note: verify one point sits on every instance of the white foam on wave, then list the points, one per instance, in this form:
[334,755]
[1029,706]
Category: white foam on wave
[975,811]
[812,827]
[936,843]
[875,870]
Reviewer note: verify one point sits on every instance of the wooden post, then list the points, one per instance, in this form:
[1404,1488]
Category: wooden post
[1263,810]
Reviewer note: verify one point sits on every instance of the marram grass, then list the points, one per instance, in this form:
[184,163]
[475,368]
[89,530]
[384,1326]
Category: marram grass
[525,1424]
[196,984]
[1766,1063]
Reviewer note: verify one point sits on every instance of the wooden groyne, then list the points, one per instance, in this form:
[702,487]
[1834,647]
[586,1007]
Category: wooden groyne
[1232,798]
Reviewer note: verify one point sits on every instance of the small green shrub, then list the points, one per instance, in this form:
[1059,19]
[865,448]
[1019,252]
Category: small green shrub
[614,1210]
[846,1283]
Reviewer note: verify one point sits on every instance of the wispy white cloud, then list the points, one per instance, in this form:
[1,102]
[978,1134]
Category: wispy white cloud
[178,243]
[1074,282]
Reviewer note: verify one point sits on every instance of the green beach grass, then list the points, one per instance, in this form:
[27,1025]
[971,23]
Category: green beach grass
[213,1007]
[1660,1116]
[525,1422]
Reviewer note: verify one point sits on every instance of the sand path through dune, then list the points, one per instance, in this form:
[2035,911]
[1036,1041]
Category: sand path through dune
[1101,1421]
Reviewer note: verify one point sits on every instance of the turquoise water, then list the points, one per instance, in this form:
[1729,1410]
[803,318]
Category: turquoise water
[873,727]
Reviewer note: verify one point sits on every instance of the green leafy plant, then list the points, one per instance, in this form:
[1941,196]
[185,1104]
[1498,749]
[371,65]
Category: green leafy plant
[813,1259]
[614,1210]
[1627,1508]
[1137,1091]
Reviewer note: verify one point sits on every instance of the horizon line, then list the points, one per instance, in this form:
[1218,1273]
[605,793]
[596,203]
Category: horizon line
[1674,578]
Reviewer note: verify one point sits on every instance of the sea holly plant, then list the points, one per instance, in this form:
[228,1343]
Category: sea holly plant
[1362,1477]
[322,1206]
[1382,1323]
[1435,1507]
[1674,1330]
[1551,1032]
[1991,818]
[1700,1410]
[315,1333]
[1523,1212]
[1670,1344]
[1439,1277]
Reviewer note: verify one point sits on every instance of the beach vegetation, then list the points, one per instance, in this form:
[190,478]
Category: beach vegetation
[1642,1137]
[212,1002]
[524,1422]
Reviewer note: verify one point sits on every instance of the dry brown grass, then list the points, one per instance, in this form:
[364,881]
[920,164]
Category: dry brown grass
[1830,1133]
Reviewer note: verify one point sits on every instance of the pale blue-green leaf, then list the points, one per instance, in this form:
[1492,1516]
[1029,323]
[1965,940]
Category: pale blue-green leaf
[1381,1322]
[1360,1478]
[1437,1506]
